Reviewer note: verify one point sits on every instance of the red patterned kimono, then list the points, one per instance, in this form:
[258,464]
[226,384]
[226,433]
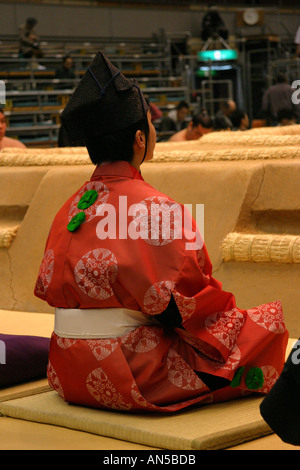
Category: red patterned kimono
[200,348]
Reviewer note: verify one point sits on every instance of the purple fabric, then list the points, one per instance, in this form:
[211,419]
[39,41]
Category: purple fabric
[22,358]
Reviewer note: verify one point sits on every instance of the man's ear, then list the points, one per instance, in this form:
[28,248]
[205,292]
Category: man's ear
[139,139]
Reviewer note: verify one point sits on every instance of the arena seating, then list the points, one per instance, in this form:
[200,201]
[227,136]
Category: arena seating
[35,98]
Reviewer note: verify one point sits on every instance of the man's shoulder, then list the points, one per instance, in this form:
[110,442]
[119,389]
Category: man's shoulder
[146,191]
[9,142]
[179,136]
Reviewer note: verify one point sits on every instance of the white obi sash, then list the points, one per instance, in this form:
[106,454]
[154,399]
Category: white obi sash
[98,323]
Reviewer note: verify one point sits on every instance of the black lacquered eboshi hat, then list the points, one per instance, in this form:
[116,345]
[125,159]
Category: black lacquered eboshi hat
[104,101]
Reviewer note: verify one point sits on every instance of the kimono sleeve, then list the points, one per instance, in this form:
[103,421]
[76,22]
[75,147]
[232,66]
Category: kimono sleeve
[212,322]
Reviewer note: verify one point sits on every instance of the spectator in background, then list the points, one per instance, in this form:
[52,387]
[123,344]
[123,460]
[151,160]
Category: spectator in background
[276,97]
[222,124]
[28,40]
[7,141]
[213,25]
[156,113]
[176,119]
[240,120]
[66,70]
[199,125]
[286,117]
[223,116]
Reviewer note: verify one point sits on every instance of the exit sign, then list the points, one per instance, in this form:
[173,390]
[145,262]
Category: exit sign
[219,54]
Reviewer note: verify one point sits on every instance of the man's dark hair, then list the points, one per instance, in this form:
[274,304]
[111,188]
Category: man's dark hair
[202,119]
[225,105]
[285,113]
[117,145]
[237,117]
[222,123]
[66,57]
[31,22]
[182,104]
[1,110]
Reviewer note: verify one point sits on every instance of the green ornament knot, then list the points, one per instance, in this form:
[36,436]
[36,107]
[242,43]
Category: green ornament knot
[87,199]
[237,377]
[255,378]
[76,221]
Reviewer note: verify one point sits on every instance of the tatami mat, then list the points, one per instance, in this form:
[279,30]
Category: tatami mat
[25,389]
[215,426]
[17,434]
